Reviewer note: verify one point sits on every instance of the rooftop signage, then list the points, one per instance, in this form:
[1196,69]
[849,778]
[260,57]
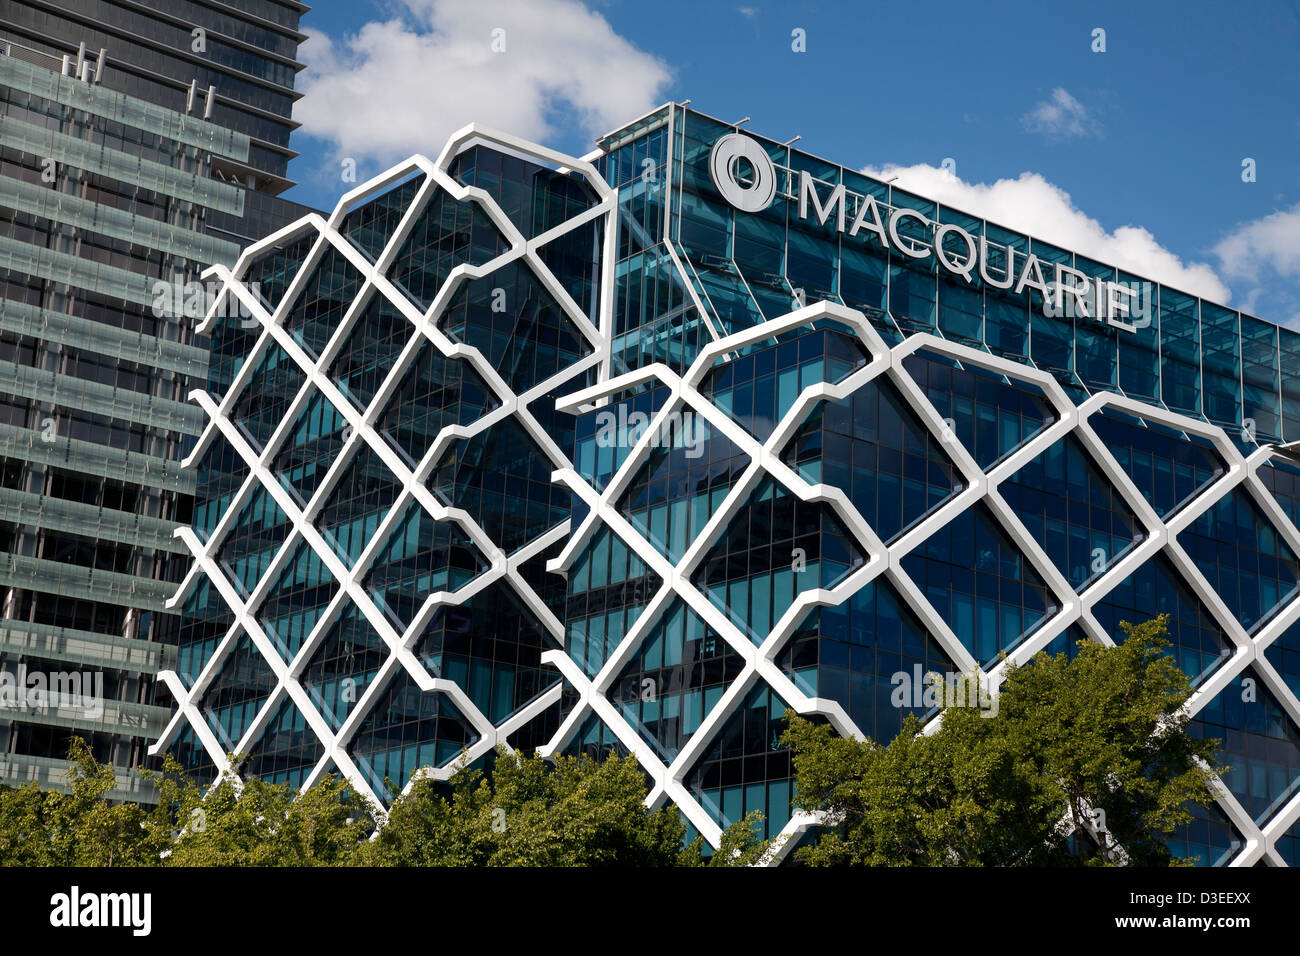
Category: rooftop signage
[1068,293]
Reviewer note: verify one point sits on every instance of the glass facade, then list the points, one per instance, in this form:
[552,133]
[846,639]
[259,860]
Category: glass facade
[117,188]
[606,463]
[230,63]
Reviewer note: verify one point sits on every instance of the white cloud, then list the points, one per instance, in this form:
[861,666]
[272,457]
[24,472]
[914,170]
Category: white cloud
[1263,245]
[401,86]
[1061,117]
[1265,255]
[747,11]
[1031,204]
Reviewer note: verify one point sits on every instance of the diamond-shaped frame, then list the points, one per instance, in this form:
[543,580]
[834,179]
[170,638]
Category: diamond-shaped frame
[1074,608]
[361,428]
[978,485]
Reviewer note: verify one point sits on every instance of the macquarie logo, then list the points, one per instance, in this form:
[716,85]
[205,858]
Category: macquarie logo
[747,178]
[75,909]
[725,170]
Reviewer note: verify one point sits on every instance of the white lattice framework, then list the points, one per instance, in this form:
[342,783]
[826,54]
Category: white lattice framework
[684,394]
[979,485]
[362,430]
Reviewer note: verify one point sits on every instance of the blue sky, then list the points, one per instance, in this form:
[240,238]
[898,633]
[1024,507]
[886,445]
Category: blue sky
[1150,134]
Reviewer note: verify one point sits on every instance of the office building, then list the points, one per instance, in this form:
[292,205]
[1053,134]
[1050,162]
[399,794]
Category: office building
[632,452]
[139,144]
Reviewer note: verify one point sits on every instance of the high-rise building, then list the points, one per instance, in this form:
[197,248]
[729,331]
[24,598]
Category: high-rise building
[136,149]
[633,452]
[231,62]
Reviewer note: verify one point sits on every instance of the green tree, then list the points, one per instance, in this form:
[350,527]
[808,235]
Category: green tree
[77,828]
[1097,739]
[741,845]
[576,811]
[24,833]
[259,823]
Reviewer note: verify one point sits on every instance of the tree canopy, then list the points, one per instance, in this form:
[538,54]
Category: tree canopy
[1091,744]
[529,811]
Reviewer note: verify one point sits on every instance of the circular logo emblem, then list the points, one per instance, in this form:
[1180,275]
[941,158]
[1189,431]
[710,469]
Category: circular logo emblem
[751,197]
